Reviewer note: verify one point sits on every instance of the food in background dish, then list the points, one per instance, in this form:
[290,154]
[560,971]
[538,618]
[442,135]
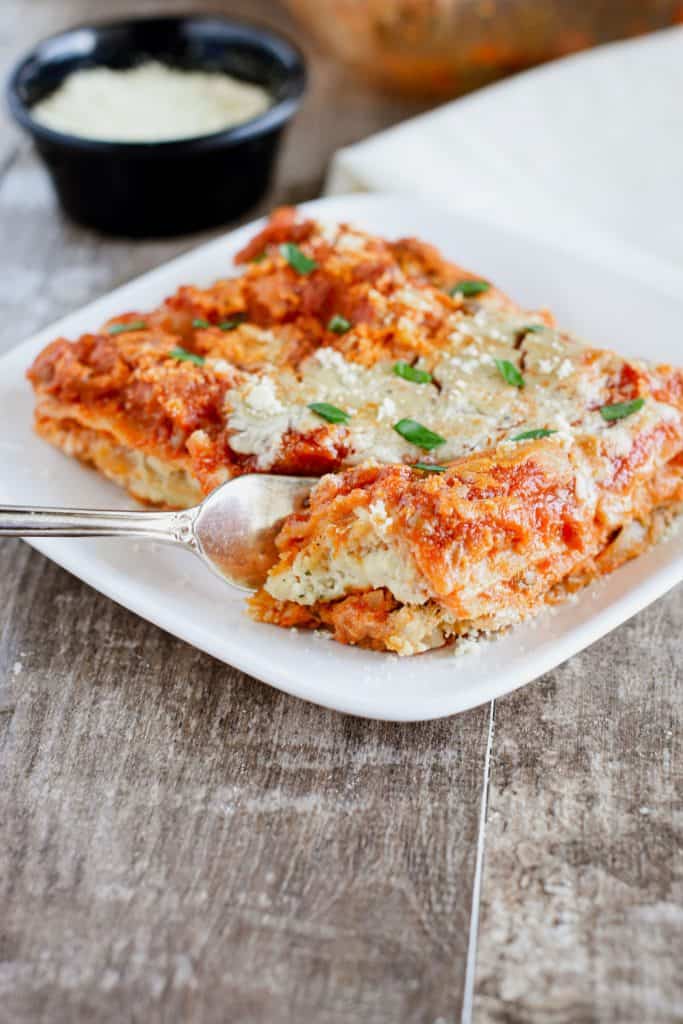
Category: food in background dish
[483,462]
[443,47]
[149,103]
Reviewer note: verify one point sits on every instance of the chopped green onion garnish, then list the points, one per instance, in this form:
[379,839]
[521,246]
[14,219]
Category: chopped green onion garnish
[200,323]
[427,467]
[510,373]
[233,322]
[414,432]
[329,412]
[131,325]
[408,372]
[621,409]
[533,328]
[532,435]
[296,258]
[186,357]
[469,288]
[339,324]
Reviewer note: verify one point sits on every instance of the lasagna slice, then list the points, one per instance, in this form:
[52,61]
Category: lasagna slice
[404,560]
[476,461]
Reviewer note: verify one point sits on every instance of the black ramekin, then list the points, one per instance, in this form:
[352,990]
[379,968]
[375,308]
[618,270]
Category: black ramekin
[162,188]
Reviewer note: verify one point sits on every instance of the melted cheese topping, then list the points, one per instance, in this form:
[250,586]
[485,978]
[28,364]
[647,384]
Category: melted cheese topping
[468,403]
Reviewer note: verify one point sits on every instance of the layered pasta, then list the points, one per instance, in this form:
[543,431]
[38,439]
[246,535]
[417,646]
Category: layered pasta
[477,461]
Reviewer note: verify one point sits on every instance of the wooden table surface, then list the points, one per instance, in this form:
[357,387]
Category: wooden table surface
[179,842]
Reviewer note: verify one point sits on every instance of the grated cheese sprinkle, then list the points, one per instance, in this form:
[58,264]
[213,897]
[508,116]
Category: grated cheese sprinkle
[149,103]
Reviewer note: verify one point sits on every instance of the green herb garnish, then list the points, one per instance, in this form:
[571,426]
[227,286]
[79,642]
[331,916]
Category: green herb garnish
[131,325]
[533,328]
[408,372]
[510,373]
[421,436]
[186,357]
[533,435]
[339,324]
[297,258]
[469,288]
[329,412]
[199,323]
[427,467]
[233,322]
[621,409]
[259,257]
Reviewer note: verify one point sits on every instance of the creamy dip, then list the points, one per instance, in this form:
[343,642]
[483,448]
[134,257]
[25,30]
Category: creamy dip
[149,103]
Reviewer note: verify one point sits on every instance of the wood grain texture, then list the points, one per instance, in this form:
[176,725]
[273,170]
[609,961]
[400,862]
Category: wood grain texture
[183,843]
[179,842]
[582,910]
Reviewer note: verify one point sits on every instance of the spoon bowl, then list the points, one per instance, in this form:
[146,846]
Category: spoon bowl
[233,530]
[236,526]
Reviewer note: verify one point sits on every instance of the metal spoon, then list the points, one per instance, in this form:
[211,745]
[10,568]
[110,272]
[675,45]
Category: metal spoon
[233,530]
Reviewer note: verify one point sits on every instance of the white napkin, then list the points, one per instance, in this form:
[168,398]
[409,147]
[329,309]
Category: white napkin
[585,151]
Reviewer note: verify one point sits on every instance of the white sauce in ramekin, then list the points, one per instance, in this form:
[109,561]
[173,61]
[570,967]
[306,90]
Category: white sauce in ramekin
[149,103]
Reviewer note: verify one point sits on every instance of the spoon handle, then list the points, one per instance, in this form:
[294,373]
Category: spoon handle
[171,527]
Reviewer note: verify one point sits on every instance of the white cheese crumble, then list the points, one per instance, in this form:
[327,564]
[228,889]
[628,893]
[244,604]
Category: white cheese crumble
[379,517]
[263,399]
[414,299]
[149,103]
[347,373]
[387,409]
[349,241]
[220,366]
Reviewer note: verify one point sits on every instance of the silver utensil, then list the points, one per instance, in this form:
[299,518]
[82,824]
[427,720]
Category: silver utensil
[233,530]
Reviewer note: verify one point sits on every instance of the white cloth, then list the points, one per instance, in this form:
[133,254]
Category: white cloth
[586,151]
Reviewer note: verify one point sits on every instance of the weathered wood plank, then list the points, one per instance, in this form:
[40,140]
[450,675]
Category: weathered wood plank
[582,909]
[178,841]
[181,842]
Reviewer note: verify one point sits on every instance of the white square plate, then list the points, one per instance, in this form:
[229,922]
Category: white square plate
[173,590]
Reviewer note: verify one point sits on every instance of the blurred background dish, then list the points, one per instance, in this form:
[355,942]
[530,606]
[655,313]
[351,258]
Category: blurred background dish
[441,48]
[157,188]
